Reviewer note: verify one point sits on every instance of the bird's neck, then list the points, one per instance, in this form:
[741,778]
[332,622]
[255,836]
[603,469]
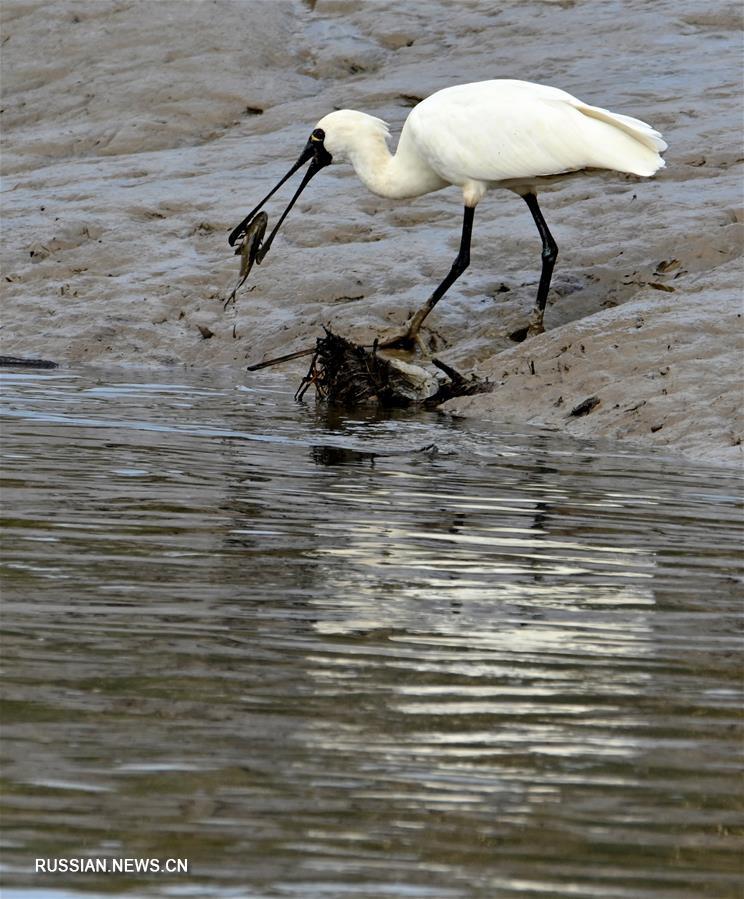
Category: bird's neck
[397,176]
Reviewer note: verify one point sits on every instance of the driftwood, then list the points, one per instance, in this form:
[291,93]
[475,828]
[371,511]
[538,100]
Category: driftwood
[23,362]
[348,374]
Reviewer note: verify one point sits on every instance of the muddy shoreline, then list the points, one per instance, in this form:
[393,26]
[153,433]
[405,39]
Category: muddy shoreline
[135,136]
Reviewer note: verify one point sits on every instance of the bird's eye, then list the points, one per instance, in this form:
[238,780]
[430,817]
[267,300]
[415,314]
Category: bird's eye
[318,135]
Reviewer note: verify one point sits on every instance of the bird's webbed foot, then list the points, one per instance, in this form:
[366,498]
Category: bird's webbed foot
[408,341]
[536,325]
[411,340]
[533,327]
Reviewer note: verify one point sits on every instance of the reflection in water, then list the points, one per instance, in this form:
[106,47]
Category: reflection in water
[329,656]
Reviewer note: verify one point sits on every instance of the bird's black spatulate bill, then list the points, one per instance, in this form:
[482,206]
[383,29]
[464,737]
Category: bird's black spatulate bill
[240,229]
[314,150]
[266,246]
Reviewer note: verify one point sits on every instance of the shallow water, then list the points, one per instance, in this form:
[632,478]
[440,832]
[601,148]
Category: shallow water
[321,655]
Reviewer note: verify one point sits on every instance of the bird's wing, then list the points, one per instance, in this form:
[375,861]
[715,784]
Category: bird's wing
[503,130]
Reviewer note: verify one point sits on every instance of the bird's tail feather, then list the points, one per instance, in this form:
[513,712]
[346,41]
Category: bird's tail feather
[645,135]
[634,127]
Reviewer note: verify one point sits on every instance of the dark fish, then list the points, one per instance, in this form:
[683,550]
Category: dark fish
[249,250]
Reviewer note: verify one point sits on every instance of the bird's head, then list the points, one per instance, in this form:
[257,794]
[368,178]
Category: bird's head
[333,139]
[346,129]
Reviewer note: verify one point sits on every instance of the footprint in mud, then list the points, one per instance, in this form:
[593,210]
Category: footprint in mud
[64,237]
[161,211]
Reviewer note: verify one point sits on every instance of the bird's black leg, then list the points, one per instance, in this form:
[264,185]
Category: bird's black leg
[549,255]
[462,261]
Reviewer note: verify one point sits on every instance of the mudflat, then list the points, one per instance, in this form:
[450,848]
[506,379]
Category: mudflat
[135,136]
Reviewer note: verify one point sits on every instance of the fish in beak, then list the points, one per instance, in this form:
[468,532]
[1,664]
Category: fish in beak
[248,251]
[319,157]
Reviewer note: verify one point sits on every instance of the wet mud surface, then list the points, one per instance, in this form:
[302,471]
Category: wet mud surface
[135,136]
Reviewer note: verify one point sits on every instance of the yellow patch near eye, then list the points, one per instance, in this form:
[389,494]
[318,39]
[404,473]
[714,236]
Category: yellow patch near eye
[314,138]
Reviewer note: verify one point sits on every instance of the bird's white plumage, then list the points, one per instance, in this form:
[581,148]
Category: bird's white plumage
[504,130]
[505,133]
[488,133]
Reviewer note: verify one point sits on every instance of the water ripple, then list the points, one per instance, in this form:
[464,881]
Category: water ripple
[321,658]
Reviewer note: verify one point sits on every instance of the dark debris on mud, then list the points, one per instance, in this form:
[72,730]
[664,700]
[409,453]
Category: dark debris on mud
[349,374]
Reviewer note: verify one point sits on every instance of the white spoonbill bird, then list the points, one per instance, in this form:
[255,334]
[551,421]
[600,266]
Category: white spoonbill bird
[503,133]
